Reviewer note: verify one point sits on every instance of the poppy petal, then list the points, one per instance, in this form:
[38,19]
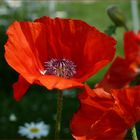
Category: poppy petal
[79,42]
[91,110]
[106,118]
[110,126]
[127,104]
[18,52]
[20,88]
[124,70]
[94,60]
[52,82]
[132,45]
[119,75]
[132,49]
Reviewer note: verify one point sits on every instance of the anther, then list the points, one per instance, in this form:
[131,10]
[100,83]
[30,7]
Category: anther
[60,67]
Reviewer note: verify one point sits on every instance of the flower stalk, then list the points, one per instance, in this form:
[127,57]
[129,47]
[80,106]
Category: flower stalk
[59,114]
[134,133]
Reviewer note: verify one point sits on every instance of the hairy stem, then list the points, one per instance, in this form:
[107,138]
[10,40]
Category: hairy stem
[59,114]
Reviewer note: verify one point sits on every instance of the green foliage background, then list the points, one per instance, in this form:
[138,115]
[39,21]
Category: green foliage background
[39,104]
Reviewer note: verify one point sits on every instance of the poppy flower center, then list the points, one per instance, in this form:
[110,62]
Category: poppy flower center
[60,67]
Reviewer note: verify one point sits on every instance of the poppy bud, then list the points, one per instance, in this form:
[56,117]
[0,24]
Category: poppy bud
[117,16]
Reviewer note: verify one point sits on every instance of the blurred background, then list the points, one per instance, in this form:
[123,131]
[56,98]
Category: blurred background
[39,104]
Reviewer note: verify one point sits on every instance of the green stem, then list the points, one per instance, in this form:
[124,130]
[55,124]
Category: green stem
[126,28]
[111,30]
[59,114]
[134,133]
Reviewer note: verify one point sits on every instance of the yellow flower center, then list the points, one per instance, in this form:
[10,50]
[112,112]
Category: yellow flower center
[34,130]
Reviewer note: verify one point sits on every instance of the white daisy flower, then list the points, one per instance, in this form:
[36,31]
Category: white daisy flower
[34,130]
[12,117]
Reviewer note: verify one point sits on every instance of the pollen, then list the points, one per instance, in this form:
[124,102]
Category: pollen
[34,130]
[60,67]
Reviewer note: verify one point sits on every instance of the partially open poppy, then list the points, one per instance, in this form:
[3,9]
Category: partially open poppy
[56,53]
[106,116]
[132,49]
[124,70]
[119,75]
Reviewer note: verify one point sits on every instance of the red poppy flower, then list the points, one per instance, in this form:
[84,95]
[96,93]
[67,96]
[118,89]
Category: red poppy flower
[132,48]
[106,115]
[124,70]
[56,53]
[119,75]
